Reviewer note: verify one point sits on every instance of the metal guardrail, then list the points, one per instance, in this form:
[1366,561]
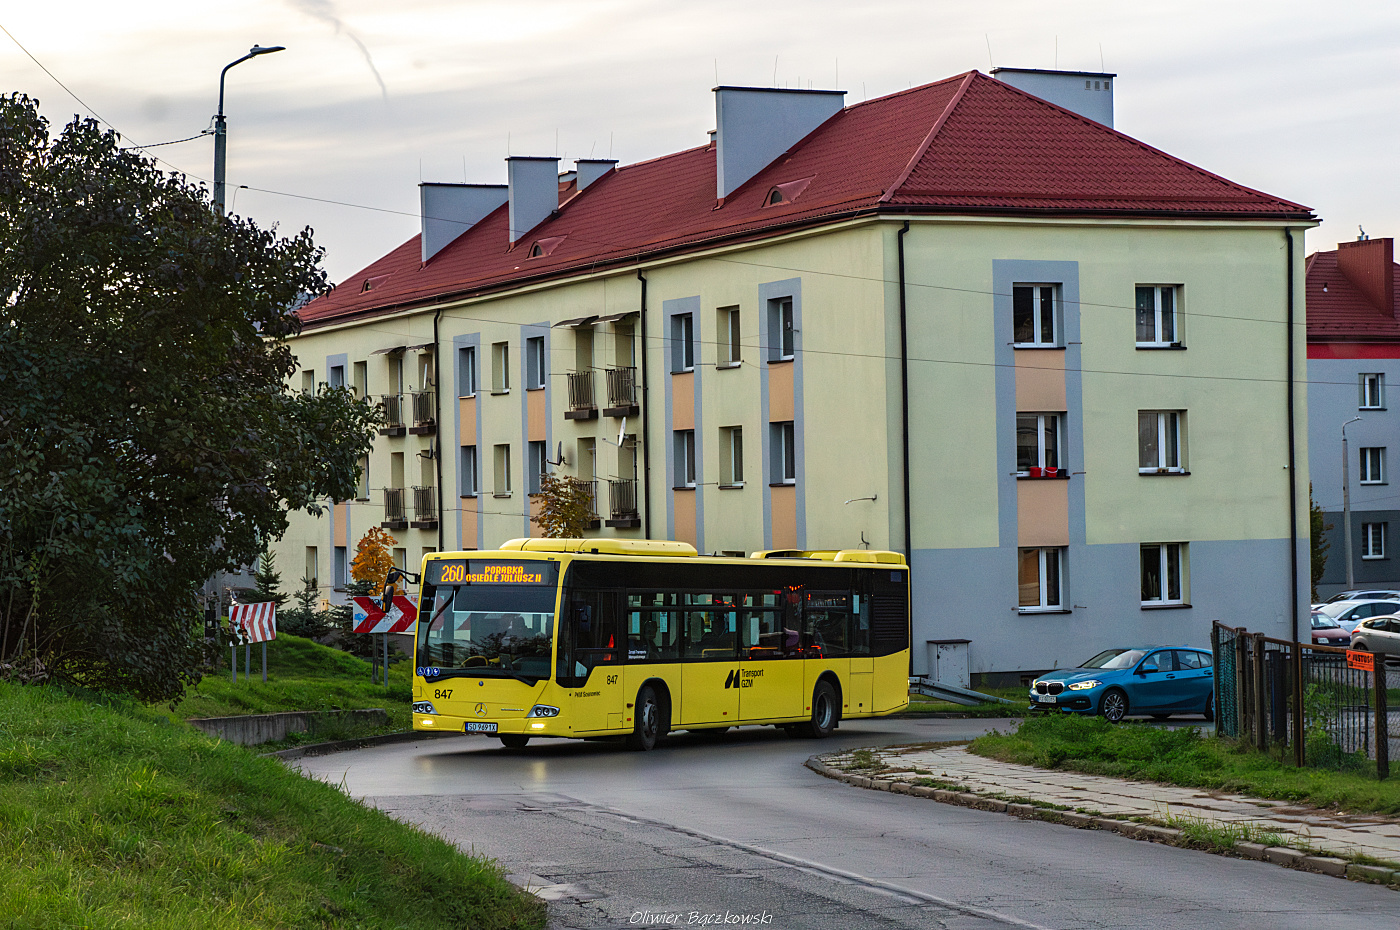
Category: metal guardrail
[394,512]
[425,505]
[393,411]
[622,387]
[1318,703]
[424,413]
[622,496]
[952,694]
[581,390]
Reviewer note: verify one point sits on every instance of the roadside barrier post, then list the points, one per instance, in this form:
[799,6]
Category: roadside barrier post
[1241,692]
[264,645]
[1382,724]
[1261,729]
[1298,758]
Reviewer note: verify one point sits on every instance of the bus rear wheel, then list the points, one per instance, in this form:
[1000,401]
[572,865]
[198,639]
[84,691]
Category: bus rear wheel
[514,740]
[651,723]
[824,711]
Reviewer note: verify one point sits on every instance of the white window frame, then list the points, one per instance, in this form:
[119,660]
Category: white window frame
[500,368]
[1057,422]
[470,473]
[729,353]
[501,478]
[1038,295]
[362,486]
[466,358]
[731,456]
[784,453]
[536,464]
[1372,470]
[682,342]
[1159,315]
[685,458]
[1373,540]
[1165,553]
[535,369]
[1371,388]
[1050,564]
[340,557]
[1169,424]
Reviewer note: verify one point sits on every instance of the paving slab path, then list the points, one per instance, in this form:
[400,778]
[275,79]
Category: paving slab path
[1333,838]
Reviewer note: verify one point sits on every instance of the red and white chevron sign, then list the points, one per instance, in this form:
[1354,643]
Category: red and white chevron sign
[254,623]
[370,616]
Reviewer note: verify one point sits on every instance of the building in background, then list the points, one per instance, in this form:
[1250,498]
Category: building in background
[1045,359]
[1353,360]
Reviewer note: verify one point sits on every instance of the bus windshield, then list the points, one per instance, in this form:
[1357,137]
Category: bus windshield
[487,630]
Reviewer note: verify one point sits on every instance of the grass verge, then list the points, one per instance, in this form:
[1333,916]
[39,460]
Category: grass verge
[304,675]
[1182,756]
[110,816]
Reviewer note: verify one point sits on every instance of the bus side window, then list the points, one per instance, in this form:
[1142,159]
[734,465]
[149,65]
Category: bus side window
[860,626]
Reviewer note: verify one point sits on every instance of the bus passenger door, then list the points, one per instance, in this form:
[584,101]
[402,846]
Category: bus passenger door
[770,681]
[710,671]
[596,696]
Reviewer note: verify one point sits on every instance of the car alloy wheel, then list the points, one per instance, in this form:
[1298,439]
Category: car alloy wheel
[1114,706]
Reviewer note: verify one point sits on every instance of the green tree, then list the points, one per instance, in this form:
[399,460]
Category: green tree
[1320,545]
[566,507]
[267,582]
[147,435]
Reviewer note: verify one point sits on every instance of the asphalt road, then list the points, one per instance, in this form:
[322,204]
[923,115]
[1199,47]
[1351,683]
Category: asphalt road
[705,829]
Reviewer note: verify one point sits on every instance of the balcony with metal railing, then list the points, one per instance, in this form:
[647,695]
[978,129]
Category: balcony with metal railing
[622,393]
[392,405]
[622,500]
[592,488]
[395,516]
[424,413]
[582,403]
[425,513]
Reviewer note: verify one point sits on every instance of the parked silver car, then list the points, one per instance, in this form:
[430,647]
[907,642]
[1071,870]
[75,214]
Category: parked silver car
[1348,614]
[1378,634]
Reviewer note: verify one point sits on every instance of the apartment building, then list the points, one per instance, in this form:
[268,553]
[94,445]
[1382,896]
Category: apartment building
[1353,352]
[968,321]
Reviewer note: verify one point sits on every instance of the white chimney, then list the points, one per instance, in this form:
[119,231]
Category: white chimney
[591,169]
[451,209]
[755,125]
[534,192]
[1088,93]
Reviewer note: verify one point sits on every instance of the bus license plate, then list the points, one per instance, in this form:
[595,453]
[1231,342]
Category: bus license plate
[1044,699]
[474,727]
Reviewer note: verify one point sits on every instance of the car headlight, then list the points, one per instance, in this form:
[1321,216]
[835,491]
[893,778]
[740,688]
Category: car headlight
[1085,685]
[543,710]
[424,707]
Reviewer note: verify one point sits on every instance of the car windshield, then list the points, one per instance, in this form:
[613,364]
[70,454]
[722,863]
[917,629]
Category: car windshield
[1335,610]
[1320,621]
[1115,658]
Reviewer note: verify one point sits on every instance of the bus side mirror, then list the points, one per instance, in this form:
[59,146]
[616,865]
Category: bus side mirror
[387,601]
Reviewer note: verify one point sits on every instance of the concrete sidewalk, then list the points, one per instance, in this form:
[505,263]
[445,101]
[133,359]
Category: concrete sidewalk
[1277,831]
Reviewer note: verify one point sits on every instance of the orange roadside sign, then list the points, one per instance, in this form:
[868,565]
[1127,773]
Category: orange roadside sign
[1362,661]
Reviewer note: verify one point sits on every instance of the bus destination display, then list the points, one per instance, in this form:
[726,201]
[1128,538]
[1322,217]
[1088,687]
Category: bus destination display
[461,571]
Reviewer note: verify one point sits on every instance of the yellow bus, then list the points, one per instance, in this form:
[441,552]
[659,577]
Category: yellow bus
[598,638]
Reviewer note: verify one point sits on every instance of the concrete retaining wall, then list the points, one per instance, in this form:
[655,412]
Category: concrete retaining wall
[263,728]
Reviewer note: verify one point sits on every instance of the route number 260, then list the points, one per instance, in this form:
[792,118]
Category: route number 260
[442,694]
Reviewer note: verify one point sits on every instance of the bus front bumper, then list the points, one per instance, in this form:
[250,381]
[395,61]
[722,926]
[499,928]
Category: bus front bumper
[523,726]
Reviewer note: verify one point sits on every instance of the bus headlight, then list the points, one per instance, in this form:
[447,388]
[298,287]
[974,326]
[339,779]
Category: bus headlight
[424,707]
[543,710]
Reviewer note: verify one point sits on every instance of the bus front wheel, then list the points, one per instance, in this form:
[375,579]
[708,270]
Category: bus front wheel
[514,740]
[650,724]
[824,712]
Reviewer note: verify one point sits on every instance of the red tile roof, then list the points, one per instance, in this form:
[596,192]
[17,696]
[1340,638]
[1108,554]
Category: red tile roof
[966,145]
[1337,309]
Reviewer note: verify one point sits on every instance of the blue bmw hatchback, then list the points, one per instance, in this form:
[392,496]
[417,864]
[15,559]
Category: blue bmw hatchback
[1155,680]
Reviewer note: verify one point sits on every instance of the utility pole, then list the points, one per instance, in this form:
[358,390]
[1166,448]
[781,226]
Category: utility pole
[221,127]
[1346,501]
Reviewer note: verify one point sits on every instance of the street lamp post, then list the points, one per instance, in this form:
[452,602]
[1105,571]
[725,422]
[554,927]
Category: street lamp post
[1346,501]
[221,128]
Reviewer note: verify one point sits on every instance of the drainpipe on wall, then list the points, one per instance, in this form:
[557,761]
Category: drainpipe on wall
[1292,460]
[437,418]
[646,422]
[904,399]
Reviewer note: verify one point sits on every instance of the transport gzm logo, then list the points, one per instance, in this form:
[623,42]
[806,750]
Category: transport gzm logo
[742,678]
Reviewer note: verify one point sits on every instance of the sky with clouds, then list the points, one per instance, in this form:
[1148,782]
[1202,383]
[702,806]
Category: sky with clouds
[1299,99]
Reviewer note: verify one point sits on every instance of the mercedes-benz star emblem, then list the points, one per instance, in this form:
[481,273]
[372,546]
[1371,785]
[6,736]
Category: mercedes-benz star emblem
[481,710]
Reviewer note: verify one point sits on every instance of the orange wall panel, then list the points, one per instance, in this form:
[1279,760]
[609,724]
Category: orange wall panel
[466,407]
[683,400]
[1042,512]
[534,402]
[780,397]
[1040,380]
[784,516]
[684,504]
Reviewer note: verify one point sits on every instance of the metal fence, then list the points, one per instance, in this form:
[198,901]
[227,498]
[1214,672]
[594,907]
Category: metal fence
[1323,705]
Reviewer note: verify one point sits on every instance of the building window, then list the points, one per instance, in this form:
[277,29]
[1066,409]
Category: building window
[782,330]
[1372,392]
[502,476]
[685,458]
[362,485]
[1159,441]
[535,466]
[342,567]
[731,456]
[1373,465]
[534,363]
[1035,311]
[308,381]
[468,473]
[400,559]
[500,367]
[362,380]
[1040,578]
[784,453]
[729,353]
[1156,315]
[1039,444]
[313,572]
[682,342]
[337,376]
[466,371]
[1373,540]
[1163,574]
